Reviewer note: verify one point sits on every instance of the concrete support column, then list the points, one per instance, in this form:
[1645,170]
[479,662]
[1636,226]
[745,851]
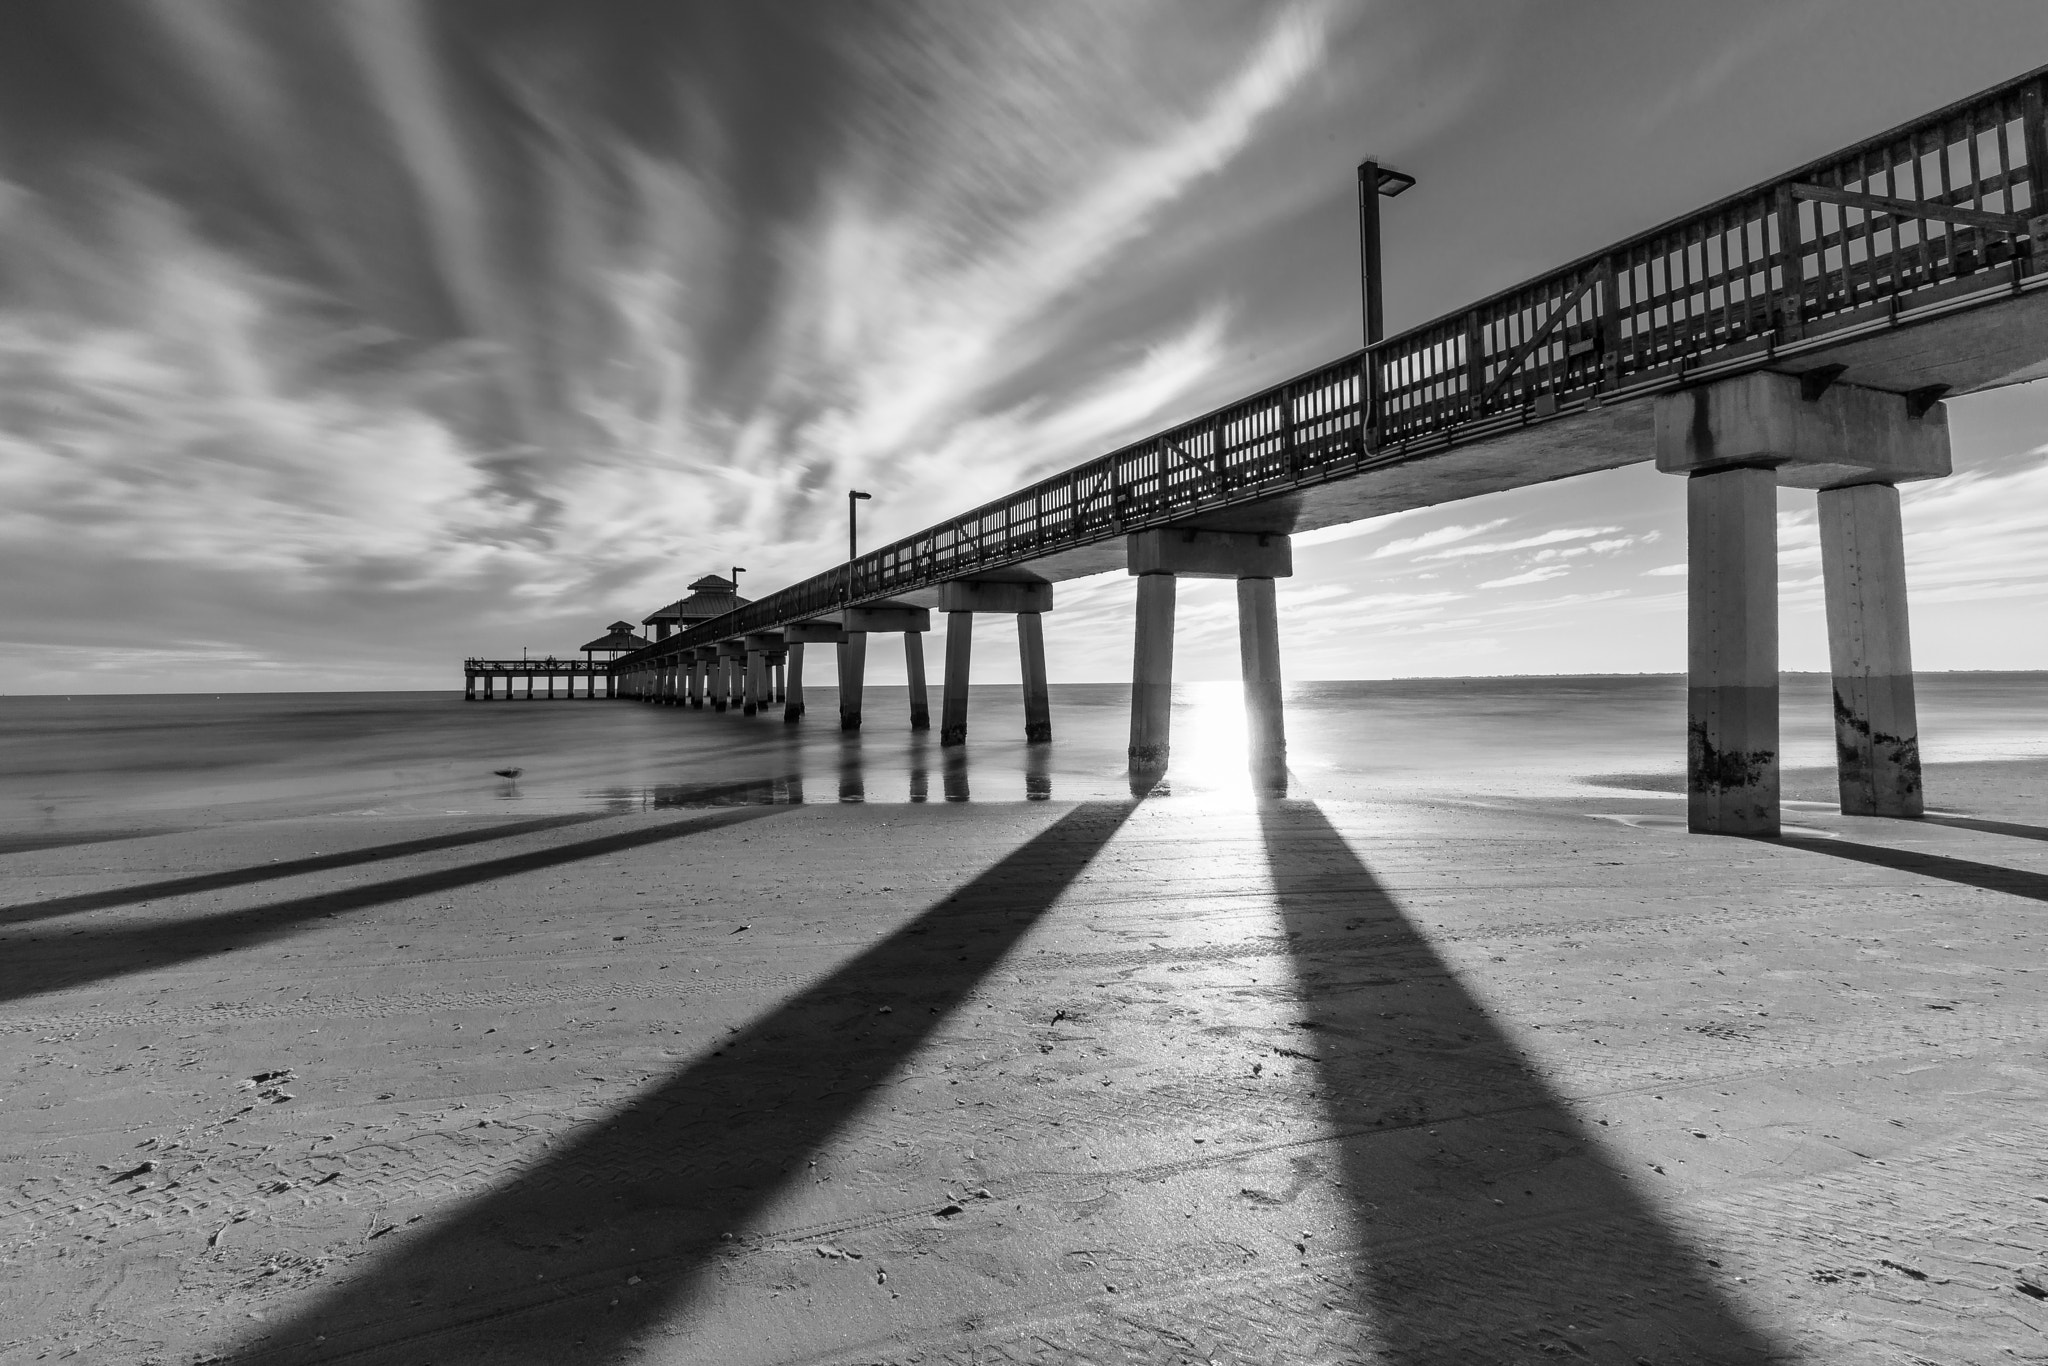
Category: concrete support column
[700,680]
[1737,441]
[490,682]
[913,667]
[793,693]
[1877,729]
[1732,656]
[720,684]
[1152,674]
[953,690]
[469,687]
[1258,650]
[1037,695]
[1254,559]
[961,600]
[750,682]
[853,666]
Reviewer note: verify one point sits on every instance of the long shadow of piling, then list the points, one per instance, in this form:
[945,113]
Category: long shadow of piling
[32,964]
[1988,877]
[266,872]
[1988,827]
[537,1271]
[1494,1227]
[64,839]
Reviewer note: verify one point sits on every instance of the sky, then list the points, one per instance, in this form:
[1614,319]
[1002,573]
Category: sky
[341,339]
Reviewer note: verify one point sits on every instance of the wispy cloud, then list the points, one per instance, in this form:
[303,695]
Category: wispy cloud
[1542,538]
[1443,535]
[1539,574]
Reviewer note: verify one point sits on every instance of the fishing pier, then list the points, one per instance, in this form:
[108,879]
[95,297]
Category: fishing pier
[1801,333]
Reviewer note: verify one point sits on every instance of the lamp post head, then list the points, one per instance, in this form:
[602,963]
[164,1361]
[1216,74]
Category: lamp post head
[1388,181]
[852,494]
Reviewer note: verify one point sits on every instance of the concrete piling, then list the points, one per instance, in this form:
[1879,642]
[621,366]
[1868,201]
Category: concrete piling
[1258,647]
[1732,657]
[1152,676]
[913,668]
[1037,694]
[953,688]
[853,665]
[793,693]
[1877,731]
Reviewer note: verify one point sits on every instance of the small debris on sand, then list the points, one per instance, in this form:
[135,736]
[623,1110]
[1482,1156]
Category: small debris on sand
[508,772]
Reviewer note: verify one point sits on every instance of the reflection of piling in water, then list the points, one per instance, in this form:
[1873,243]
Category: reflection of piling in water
[920,773]
[954,776]
[1037,773]
[852,785]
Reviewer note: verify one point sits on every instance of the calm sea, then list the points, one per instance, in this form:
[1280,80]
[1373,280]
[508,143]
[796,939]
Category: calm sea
[183,761]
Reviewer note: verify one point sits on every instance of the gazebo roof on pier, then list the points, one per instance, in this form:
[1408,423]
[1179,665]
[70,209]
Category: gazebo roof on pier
[620,639]
[710,596]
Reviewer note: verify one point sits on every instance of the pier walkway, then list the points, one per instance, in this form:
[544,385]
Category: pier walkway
[1800,332]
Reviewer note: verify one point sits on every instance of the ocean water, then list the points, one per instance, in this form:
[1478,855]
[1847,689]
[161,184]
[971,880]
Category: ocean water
[88,764]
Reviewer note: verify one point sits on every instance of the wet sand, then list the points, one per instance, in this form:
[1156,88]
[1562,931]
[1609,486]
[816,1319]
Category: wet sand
[1457,1064]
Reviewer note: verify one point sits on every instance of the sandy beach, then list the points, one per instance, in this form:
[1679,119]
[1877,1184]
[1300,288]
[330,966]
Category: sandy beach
[1398,1069]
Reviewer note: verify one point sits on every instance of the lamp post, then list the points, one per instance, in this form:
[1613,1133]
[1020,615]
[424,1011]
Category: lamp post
[1374,181]
[854,497]
[736,572]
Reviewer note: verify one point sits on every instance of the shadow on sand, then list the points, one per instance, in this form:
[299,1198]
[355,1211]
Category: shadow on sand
[266,872]
[1493,1226]
[1989,877]
[32,964]
[535,1271]
[1989,827]
[64,839]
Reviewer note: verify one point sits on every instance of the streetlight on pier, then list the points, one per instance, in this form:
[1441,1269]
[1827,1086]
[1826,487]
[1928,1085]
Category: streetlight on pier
[1374,181]
[854,497]
[736,572]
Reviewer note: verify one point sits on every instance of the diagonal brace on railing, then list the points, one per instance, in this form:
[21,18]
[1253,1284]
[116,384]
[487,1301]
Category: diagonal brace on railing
[2014,223]
[1535,343]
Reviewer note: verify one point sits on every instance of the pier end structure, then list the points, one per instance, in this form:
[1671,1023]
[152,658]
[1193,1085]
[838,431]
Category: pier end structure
[1738,441]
